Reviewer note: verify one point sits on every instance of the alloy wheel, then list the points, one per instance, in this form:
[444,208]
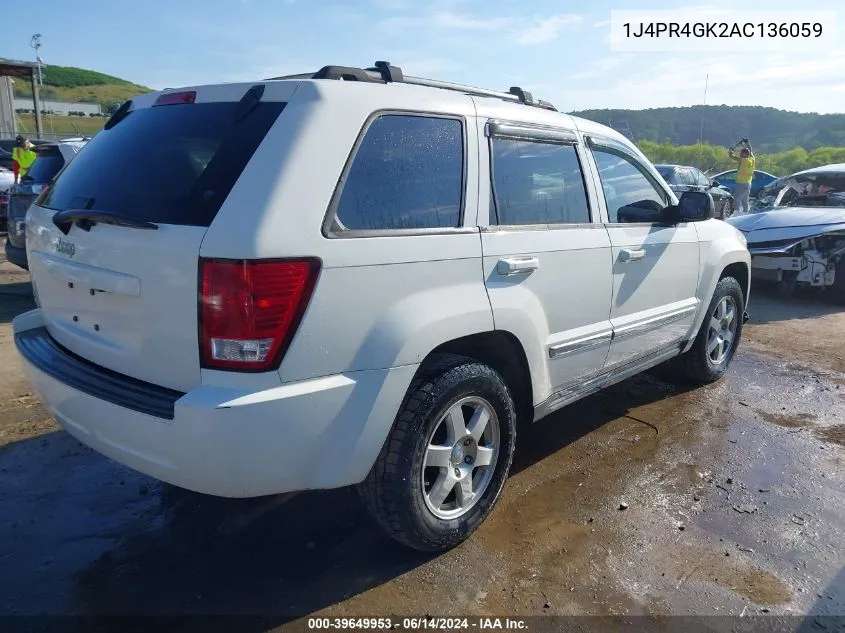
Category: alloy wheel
[460,457]
[722,330]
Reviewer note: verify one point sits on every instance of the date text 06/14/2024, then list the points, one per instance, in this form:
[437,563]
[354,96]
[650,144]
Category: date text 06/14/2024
[418,623]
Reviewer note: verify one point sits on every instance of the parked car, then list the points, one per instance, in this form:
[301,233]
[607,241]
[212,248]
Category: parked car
[682,178]
[759,180]
[7,179]
[302,283]
[799,239]
[52,157]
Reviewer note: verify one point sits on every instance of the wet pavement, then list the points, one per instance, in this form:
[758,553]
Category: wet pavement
[733,497]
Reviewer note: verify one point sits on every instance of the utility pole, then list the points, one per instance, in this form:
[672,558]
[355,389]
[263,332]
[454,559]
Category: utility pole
[36,97]
[36,44]
[701,135]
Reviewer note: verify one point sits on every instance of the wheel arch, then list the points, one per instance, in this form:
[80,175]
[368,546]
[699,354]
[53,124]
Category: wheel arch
[722,254]
[502,351]
[742,273]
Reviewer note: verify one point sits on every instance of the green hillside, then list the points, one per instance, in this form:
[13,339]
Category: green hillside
[66,83]
[770,129]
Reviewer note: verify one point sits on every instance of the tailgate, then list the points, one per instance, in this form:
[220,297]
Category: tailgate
[114,243]
[122,298]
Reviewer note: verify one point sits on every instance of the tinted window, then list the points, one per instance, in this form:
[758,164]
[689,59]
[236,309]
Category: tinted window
[46,166]
[173,164]
[406,174]
[686,177]
[668,174]
[630,194]
[538,183]
[728,179]
[700,179]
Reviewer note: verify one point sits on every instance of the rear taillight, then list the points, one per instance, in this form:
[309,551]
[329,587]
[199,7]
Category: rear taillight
[250,310]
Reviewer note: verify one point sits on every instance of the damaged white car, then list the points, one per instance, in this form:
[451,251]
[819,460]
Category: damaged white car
[799,240]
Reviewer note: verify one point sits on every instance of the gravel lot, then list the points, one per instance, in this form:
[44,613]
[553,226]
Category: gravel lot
[735,500]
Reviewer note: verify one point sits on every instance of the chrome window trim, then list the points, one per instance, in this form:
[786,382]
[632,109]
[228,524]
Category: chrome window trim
[496,128]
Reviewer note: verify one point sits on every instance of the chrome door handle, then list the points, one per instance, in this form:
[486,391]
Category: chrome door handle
[631,255]
[517,265]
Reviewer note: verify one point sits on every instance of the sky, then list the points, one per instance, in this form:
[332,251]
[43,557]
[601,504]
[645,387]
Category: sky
[559,50]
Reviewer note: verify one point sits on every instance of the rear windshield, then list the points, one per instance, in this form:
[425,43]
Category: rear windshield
[169,164]
[665,172]
[49,163]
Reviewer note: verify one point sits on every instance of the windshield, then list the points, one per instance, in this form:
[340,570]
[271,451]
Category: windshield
[172,164]
[46,166]
[819,189]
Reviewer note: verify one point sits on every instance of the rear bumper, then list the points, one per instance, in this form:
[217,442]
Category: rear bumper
[319,433]
[16,255]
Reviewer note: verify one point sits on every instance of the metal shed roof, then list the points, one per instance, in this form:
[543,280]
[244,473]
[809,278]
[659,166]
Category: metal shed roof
[17,69]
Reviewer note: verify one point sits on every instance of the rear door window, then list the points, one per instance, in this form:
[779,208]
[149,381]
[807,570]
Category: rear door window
[537,183]
[49,163]
[407,173]
[169,164]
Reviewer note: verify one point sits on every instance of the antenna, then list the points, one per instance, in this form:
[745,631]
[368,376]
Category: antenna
[36,44]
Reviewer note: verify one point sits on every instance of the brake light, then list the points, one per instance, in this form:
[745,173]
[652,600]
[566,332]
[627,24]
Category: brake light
[249,310]
[171,98]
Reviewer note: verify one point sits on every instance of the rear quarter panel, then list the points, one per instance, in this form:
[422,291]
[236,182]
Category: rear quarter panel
[379,302]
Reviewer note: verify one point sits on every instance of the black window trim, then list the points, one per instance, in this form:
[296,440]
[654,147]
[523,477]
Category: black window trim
[615,147]
[518,131]
[331,212]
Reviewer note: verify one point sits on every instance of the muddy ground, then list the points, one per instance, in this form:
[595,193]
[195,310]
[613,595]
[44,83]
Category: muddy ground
[735,500]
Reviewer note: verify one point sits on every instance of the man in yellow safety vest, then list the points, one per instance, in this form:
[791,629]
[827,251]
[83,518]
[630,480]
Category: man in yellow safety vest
[744,175]
[22,157]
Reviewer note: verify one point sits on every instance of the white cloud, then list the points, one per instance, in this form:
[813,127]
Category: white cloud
[597,68]
[601,24]
[445,20]
[465,22]
[798,82]
[521,31]
[545,29]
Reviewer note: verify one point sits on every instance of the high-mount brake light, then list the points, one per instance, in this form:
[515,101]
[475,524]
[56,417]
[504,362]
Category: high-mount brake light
[250,310]
[173,98]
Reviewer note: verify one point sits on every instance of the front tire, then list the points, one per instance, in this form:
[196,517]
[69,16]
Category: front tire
[447,456]
[727,209]
[718,338]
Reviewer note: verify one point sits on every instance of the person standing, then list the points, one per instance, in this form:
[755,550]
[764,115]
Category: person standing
[744,176]
[22,157]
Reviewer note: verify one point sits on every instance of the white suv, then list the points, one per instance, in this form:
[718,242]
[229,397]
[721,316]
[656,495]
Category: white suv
[359,277]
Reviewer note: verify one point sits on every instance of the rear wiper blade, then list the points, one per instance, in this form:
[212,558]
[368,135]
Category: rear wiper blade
[86,218]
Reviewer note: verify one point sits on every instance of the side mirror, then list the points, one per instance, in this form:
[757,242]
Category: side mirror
[715,183]
[695,206]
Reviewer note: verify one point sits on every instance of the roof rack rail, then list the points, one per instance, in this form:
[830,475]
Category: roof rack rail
[383,72]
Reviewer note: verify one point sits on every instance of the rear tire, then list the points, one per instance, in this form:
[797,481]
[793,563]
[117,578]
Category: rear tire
[718,338]
[426,489]
[837,290]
